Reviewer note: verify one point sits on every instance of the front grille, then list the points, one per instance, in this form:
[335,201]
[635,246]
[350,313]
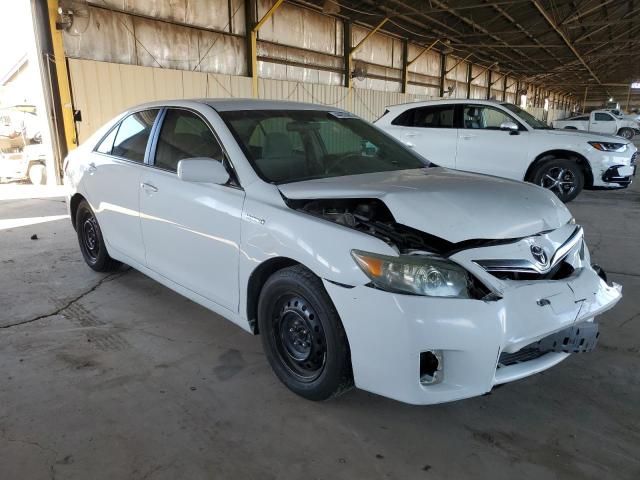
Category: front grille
[560,267]
[559,272]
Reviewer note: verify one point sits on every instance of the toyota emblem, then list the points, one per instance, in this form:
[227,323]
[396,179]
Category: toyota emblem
[540,255]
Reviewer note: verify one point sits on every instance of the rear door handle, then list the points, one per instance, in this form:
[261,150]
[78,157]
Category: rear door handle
[147,187]
[411,134]
[467,136]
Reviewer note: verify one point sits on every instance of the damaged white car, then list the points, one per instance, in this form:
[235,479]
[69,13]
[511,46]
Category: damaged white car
[357,261]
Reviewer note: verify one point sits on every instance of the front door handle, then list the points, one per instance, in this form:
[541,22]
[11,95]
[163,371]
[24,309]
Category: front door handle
[147,187]
[467,136]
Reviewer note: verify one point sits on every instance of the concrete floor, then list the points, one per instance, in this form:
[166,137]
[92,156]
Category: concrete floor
[114,377]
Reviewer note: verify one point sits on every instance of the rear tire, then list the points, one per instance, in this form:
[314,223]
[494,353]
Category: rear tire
[92,245]
[626,133]
[302,335]
[563,177]
[37,174]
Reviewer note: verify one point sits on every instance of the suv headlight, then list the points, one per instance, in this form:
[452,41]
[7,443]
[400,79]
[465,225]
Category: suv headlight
[609,146]
[415,274]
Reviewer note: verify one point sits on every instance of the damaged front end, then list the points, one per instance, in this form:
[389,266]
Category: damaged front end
[373,217]
[522,305]
[420,267]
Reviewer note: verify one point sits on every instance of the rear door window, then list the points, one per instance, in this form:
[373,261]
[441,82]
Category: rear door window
[133,134]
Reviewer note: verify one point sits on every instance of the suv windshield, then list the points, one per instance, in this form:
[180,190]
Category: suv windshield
[527,117]
[293,145]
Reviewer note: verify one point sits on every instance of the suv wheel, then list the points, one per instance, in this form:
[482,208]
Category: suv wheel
[302,335]
[563,177]
[91,241]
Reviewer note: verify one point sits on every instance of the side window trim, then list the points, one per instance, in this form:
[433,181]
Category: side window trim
[152,146]
[150,154]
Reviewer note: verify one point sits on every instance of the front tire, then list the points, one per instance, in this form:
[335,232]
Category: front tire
[91,241]
[626,133]
[563,177]
[302,335]
[37,174]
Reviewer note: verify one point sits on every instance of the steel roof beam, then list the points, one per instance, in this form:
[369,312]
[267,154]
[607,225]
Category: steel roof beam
[562,35]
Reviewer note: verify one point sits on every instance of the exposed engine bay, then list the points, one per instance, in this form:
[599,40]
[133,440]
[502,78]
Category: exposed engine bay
[373,217]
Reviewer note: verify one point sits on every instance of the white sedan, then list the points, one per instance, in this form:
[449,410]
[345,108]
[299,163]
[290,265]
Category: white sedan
[356,260]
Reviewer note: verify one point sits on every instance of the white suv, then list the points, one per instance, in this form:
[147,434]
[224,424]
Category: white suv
[501,139]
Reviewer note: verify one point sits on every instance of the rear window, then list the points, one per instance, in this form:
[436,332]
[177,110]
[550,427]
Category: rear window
[440,116]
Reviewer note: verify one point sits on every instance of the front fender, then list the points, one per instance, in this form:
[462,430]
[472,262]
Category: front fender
[272,229]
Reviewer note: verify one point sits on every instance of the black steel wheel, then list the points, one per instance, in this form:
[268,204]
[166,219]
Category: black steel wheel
[299,337]
[302,335]
[91,241]
[563,177]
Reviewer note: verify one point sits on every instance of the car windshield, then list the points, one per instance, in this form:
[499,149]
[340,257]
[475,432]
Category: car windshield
[527,117]
[294,145]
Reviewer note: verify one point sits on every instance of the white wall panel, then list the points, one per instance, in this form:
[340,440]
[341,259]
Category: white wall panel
[102,90]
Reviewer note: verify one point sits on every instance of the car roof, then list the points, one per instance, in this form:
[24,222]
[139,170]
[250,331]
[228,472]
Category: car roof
[446,101]
[240,104]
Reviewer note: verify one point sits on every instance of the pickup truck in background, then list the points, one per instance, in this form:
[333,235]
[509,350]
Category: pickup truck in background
[600,121]
[22,154]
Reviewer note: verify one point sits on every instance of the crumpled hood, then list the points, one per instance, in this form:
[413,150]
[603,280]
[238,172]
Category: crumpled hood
[452,205]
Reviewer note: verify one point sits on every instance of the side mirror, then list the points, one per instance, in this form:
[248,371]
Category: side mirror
[509,126]
[202,170]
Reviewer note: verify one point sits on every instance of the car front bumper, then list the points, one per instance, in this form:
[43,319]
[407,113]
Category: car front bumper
[613,170]
[387,333]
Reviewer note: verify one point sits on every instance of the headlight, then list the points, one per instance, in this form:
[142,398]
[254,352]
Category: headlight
[608,146]
[415,274]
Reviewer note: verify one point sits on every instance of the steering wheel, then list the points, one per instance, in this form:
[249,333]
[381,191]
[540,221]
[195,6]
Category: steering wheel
[336,166]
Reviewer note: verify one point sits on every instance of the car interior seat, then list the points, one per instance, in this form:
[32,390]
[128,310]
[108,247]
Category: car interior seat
[472,118]
[279,161]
